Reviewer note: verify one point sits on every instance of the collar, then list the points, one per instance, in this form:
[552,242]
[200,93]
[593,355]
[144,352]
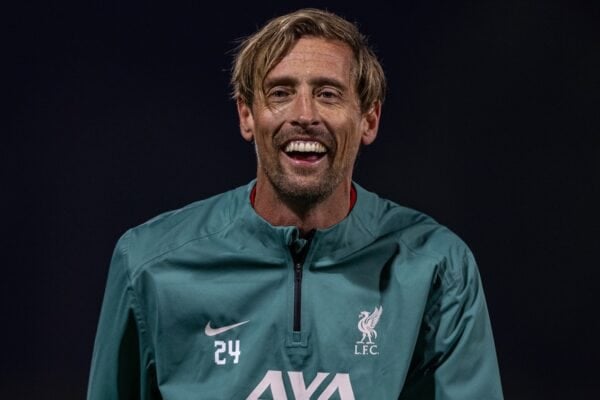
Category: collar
[328,246]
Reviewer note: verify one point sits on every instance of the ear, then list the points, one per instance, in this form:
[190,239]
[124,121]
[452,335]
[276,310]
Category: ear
[246,120]
[370,123]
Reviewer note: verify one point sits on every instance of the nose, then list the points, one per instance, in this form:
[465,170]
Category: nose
[304,112]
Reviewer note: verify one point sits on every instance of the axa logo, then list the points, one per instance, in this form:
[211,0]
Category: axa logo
[366,325]
[273,383]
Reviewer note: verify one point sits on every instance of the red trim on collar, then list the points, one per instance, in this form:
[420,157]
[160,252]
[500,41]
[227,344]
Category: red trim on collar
[253,196]
[352,197]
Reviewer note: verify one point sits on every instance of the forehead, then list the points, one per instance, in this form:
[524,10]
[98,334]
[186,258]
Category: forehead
[311,57]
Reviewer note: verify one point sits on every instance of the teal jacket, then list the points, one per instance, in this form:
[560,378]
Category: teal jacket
[213,302]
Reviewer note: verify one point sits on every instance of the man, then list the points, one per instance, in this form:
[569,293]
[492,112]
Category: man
[300,285]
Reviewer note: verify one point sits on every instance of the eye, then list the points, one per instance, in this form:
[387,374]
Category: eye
[278,93]
[329,94]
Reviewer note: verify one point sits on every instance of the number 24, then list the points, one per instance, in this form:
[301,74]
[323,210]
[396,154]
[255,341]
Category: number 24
[231,347]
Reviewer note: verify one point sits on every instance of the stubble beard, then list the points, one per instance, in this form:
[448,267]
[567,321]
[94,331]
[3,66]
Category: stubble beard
[291,190]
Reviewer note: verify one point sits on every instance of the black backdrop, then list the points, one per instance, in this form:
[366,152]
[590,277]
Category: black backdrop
[119,111]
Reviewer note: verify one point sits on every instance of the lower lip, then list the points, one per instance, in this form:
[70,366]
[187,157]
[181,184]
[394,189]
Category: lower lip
[308,160]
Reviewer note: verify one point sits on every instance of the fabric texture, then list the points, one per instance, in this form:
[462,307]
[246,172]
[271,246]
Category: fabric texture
[201,303]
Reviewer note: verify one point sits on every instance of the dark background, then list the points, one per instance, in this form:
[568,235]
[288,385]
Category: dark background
[119,111]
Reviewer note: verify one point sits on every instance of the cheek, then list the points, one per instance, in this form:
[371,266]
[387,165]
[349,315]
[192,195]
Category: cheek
[263,141]
[261,130]
[349,138]
[267,122]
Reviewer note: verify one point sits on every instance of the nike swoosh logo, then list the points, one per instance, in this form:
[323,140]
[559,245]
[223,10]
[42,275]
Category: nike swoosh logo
[210,331]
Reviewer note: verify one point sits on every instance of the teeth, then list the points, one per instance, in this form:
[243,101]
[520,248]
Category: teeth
[305,147]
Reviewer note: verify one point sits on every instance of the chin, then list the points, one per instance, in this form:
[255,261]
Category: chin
[305,191]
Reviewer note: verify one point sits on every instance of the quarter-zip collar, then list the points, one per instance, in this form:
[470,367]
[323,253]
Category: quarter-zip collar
[339,240]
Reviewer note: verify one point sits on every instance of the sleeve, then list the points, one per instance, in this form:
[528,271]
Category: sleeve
[455,356]
[122,364]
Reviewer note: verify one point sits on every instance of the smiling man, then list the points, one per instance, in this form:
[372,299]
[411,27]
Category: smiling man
[308,124]
[300,285]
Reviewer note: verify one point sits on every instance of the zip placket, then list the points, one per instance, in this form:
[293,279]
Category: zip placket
[299,249]
[297,295]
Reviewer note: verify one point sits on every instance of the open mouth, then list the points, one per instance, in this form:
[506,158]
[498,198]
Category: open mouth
[302,150]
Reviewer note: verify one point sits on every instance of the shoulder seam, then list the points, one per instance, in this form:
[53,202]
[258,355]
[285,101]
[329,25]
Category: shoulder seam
[440,258]
[178,246]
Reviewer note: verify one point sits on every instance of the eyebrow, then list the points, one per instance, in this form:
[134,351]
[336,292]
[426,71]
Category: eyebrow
[292,81]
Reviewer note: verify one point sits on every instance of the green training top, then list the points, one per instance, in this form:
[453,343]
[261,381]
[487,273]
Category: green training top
[213,302]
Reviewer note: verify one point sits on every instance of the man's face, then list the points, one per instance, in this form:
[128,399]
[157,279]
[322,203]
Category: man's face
[308,125]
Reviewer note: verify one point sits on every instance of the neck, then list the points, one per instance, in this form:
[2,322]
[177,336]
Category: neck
[281,211]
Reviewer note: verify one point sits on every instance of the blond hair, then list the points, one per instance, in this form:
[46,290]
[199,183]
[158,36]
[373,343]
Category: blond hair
[262,51]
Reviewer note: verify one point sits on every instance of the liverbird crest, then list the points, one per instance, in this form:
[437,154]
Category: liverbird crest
[367,323]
